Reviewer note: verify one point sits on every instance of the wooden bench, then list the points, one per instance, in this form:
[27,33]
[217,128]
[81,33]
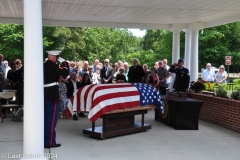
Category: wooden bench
[120,122]
[7,94]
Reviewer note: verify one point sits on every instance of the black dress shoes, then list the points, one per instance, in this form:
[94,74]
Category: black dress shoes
[75,117]
[53,146]
[81,114]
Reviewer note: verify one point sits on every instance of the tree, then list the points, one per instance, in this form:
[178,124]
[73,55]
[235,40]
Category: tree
[71,39]
[11,40]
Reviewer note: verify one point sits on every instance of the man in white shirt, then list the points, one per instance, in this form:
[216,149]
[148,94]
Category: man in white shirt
[208,74]
[167,67]
[7,68]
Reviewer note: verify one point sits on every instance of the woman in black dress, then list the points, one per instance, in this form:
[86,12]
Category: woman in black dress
[121,78]
[86,80]
[12,76]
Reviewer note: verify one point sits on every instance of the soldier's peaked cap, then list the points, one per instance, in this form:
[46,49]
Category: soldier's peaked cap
[54,53]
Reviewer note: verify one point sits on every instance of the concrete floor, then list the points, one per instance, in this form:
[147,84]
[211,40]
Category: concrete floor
[162,142]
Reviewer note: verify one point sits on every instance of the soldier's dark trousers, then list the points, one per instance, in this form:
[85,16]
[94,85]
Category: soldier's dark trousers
[51,110]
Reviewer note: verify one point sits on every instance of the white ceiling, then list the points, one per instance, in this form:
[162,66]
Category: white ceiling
[127,13]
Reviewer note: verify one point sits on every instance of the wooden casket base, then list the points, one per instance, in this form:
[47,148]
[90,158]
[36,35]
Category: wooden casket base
[120,122]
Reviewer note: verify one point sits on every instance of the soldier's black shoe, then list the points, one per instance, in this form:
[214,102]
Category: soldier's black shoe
[81,114]
[75,117]
[53,146]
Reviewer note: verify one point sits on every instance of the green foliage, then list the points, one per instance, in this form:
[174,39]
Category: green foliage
[198,85]
[217,42]
[11,40]
[235,95]
[119,44]
[144,57]
[221,92]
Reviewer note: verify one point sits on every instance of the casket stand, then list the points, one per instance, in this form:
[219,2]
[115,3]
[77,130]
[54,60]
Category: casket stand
[120,122]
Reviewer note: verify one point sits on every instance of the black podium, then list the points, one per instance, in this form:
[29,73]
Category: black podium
[182,113]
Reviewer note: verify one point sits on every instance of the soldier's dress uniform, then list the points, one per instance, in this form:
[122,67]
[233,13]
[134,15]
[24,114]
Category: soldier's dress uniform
[52,73]
[182,79]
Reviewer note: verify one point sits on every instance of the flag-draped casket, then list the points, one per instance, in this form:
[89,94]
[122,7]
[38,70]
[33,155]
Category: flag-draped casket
[101,98]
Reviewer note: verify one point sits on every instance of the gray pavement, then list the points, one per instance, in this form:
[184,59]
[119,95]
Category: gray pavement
[162,142]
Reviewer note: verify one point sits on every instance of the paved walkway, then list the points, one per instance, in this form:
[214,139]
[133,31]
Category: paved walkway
[162,142]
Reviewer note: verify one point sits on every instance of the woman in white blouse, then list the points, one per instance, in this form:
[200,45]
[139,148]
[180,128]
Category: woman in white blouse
[221,75]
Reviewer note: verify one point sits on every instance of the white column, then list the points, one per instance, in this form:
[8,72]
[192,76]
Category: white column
[33,138]
[187,53]
[194,56]
[175,46]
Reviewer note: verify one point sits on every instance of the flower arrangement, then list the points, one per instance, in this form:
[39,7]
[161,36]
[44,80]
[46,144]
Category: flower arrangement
[198,85]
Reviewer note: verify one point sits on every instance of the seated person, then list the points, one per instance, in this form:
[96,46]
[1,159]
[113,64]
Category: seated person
[86,80]
[121,78]
[72,86]
[152,78]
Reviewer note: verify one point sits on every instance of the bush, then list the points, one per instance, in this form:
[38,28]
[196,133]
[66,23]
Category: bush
[221,92]
[235,95]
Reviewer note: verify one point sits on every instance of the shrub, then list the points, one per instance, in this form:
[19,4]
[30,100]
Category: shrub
[221,92]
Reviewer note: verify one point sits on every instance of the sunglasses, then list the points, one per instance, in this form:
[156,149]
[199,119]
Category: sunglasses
[106,62]
[221,68]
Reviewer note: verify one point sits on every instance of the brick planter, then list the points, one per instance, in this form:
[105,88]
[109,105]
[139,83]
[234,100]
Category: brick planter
[220,111]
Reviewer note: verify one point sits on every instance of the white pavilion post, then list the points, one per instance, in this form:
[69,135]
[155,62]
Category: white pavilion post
[187,53]
[33,139]
[175,45]
[194,56]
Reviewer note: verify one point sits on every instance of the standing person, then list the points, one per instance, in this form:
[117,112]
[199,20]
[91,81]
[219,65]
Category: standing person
[136,73]
[52,73]
[83,70]
[63,100]
[167,67]
[115,72]
[182,77]
[72,86]
[162,75]
[18,63]
[156,65]
[221,75]
[2,66]
[94,66]
[7,68]
[98,74]
[146,71]
[173,76]
[126,69]
[12,76]
[208,74]
[152,78]
[92,76]
[106,73]
[77,68]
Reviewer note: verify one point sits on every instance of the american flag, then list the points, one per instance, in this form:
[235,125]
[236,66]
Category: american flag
[101,98]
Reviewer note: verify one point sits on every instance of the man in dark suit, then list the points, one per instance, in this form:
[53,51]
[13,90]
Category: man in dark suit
[72,86]
[106,73]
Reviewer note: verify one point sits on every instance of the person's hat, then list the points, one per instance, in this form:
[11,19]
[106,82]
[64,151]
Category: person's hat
[180,60]
[54,53]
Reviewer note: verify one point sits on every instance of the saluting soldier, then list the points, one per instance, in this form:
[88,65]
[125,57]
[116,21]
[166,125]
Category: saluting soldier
[182,77]
[52,73]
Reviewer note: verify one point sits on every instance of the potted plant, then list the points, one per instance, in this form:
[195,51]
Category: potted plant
[197,86]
